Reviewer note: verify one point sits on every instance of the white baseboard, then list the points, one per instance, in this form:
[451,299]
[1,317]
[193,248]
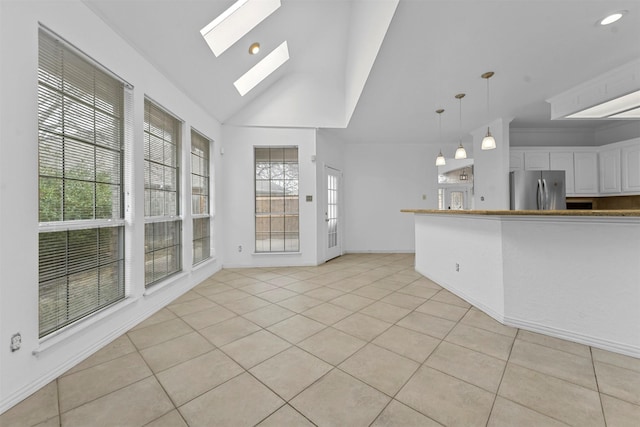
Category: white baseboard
[600,343]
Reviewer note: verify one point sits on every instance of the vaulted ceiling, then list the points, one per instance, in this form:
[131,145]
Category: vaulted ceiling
[376,70]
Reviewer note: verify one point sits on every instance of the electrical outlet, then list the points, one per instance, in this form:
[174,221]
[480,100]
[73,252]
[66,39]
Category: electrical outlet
[424,197]
[457,267]
[239,248]
[16,342]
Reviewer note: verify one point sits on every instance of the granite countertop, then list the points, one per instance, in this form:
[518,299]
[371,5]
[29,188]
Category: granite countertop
[572,212]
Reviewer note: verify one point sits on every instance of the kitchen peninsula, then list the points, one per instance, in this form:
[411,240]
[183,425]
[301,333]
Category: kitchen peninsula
[570,274]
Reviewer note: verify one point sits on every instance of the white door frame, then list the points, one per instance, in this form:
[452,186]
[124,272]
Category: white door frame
[335,250]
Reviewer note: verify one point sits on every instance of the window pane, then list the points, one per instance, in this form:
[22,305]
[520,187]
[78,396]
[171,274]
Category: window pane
[200,184]
[81,271]
[162,250]
[276,199]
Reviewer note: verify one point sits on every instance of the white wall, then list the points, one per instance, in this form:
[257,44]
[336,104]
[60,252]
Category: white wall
[329,152]
[619,131]
[542,137]
[380,180]
[491,167]
[238,200]
[475,244]
[22,372]
[575,278]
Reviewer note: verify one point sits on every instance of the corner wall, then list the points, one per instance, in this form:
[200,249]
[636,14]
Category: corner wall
[40,361]
[380,180]
[238,199]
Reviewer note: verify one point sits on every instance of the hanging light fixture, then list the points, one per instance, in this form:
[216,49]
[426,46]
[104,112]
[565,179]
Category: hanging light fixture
[440,161]
[461,153]
[488,142]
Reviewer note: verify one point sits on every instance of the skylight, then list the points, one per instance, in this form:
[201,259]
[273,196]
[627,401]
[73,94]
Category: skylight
[262,69]
[235,22]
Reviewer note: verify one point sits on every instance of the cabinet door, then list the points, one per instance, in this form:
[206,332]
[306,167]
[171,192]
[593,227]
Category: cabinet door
[609,161]
[585,172]
[563,161]
[631,168]
[536,160]
[516,161]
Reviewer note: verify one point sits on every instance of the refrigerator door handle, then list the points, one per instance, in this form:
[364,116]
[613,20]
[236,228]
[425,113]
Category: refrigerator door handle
[545,193]
[539,192]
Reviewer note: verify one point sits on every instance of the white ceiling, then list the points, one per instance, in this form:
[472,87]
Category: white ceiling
[432,50]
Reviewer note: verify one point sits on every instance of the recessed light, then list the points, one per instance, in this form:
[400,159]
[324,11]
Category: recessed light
[612,18]
[254,48]
[235,22]
[262,69]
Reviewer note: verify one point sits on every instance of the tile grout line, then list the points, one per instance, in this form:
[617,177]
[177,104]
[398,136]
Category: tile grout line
[595,374]
[495,397]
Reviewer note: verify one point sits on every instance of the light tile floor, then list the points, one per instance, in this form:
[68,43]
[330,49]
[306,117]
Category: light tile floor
[362,340]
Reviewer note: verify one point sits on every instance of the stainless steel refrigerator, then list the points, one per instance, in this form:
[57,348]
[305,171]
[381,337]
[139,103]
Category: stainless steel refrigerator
[537,190]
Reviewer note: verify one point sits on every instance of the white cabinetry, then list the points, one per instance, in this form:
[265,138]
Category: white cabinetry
[536,160]
[630,166]
[563,161]
[610,175]
[516,160]
[585,172]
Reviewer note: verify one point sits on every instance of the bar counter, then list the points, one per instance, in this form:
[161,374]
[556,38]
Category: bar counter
[569,274]
[627,212]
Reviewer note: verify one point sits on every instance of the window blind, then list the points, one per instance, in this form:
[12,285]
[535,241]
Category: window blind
[80,150]
[200,182]
[163,230]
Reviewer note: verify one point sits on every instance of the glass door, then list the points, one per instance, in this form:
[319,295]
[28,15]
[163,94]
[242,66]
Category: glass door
[333,233]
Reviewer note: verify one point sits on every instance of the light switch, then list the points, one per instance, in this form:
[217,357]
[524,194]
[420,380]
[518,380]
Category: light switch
[309,198]
[424,197]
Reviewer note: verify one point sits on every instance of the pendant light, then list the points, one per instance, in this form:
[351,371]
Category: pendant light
[440,161]
[488,142]
[461,153]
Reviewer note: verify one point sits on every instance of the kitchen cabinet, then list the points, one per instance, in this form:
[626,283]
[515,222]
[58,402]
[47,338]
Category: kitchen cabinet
[516,161]
[609,170]
[536,160]
[563,160]
[630,167]
[585,172]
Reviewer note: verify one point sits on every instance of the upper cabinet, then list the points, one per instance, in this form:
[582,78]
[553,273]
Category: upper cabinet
[585,167]
[630,166]
[516,160]
[563,161]
[536,160]
[590,171]
[610,175]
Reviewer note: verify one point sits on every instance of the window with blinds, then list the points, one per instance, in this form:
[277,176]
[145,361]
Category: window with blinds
[200,210]
[163,238]
[276,199]
[80,147]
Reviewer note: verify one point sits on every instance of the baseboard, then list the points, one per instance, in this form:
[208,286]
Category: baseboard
[589,340]
[379,251]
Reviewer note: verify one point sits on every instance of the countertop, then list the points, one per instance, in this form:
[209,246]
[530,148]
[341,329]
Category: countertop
[571,212]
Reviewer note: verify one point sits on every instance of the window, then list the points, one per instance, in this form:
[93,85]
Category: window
[200,197]
[277,225]
[162,230]
[81,128]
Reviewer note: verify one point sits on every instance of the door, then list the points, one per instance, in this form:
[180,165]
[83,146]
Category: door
[333,229]
[554,190]
[456,198]
[525,188]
